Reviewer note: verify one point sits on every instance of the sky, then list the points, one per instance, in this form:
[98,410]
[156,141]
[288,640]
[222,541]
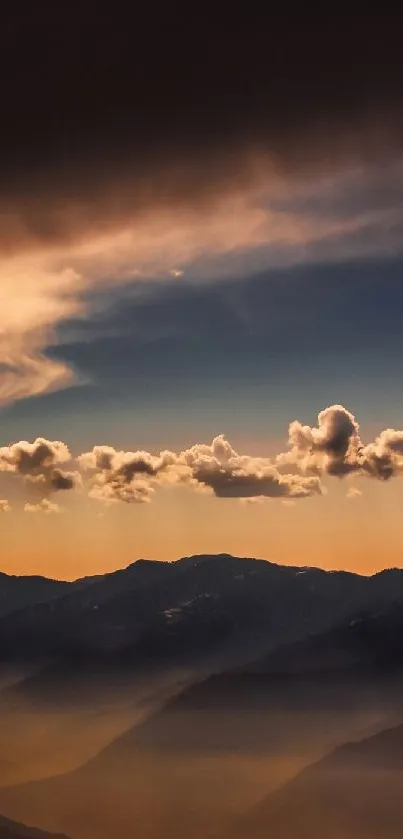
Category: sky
[201,296]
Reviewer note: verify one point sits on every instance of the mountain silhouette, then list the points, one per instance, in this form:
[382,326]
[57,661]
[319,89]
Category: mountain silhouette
[286,664]
[151,607]
[208,611]
[23,592]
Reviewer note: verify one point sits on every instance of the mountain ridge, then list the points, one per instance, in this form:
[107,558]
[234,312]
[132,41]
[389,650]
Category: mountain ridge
[202,607]
[15,830]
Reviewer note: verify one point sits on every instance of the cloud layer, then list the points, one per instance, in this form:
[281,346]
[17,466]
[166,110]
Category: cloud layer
[192,154]
[332,448]
[261,218]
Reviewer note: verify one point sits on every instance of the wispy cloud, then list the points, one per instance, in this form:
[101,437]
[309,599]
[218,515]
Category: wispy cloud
[266,220]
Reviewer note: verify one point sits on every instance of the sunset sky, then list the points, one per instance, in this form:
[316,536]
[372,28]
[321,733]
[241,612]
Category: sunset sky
[201,243]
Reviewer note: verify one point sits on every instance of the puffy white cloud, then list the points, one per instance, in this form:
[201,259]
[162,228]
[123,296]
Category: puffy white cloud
[124,476]
[4,506]
[32,458]
[332,447]
[383,459]
[43,506]
[231,475]
[40,463]
[133,476]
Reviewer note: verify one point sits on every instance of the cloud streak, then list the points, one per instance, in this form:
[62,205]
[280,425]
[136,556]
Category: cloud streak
[261,220]
[191,153]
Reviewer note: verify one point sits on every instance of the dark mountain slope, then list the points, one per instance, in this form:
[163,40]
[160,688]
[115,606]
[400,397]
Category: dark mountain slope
[14,830]
[362,657]
[200,613]
[354,793]
[158,606]
[24,592]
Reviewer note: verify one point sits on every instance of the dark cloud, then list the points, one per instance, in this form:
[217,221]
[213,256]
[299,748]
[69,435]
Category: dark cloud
[102,114]
[231,475]
[139,148]
[62,480]
[333,447]
[234,483]
[160,80]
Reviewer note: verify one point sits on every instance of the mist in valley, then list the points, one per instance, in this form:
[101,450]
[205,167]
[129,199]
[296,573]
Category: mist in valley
[218,697]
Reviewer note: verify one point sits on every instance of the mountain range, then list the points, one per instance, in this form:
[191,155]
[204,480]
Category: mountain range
[283,715]
[199,612]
